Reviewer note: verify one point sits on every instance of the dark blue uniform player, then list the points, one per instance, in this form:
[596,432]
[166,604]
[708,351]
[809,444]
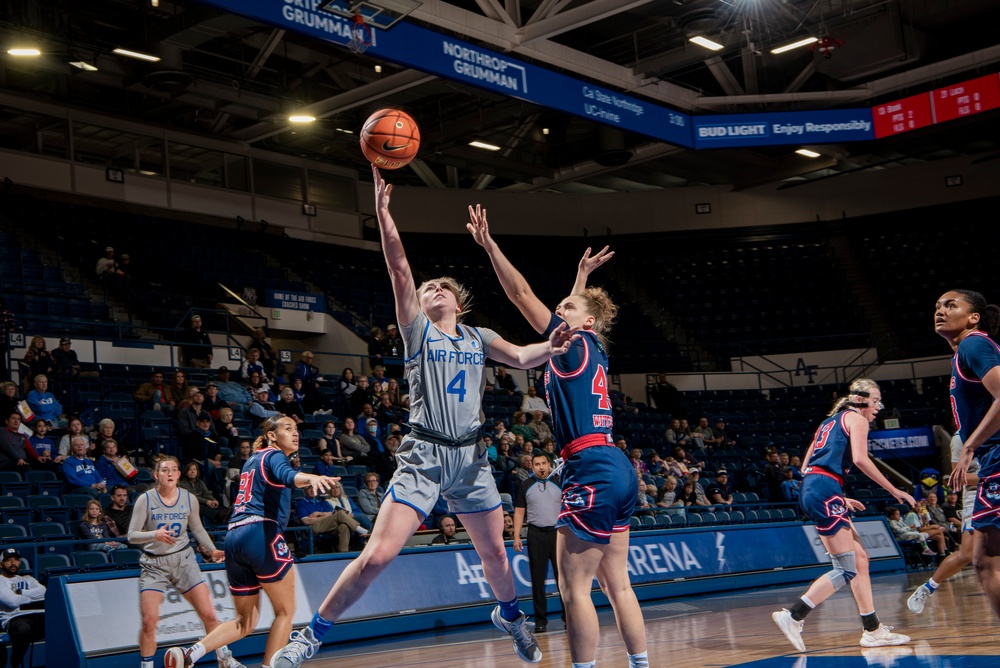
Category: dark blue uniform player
[256,553]
[840,441]
[599,484]
[967,322]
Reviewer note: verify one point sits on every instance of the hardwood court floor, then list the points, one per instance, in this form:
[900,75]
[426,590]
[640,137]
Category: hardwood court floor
[956,630]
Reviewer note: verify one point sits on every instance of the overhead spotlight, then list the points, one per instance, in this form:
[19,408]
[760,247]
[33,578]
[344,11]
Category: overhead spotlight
[807,153]
[706,43]
[154,3]
[378,69]
[83,65]
[545,131]
[301,118]
[484,145]
[23,51]
[795,45]
[137,55]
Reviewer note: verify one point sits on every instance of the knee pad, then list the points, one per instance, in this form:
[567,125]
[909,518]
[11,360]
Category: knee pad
[844,569]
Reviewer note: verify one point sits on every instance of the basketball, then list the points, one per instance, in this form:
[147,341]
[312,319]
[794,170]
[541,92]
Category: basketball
[390,139]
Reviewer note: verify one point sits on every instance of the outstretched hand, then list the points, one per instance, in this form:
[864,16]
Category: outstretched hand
[854,504]
[382,192]
[589,263]
[957,479]
[322,483]
[562,337]
[903,497]
[479,227]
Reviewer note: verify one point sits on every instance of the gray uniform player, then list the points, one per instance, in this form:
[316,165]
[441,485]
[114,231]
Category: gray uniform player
[160,522]
[958,560]
[445,363]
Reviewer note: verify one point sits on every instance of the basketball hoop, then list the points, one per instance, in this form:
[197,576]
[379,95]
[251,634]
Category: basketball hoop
[361,35]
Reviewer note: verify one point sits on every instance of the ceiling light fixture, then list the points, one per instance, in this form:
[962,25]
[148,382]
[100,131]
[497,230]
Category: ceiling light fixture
[24,51]
[83,65]
[707,43]
[137,55]
[378,69]
[154,3]
[795,45]
[545,131]
[301,118]
[484,145]
[807,153]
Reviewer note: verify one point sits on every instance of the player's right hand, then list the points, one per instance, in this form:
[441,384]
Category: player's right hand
[165,536]
[322,483]
[903,497]
[518,546]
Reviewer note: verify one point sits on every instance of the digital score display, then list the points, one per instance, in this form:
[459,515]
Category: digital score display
[967,98]
[900,116]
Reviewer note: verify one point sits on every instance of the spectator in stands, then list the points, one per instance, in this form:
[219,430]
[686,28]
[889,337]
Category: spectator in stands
[952,510]
[372,434]
[385,461]
[196,346]
[675,468]
[721,437]
[448,529]
[45,448]
[255,384]
[378,376]
[119,511]
[80,473]
[107,266]
[202,446]
[208,503]
[325,465]
[44,404]
[95,526]
[187,417]
[109,465]
[702,434]
[374,347]
[353,445]
[392,353]
[251,363]
[234,394]
[267,356]
[388,413]
[392,387]
[539,429]
[105,431]
[22,603]
[8,399]
[795,463]
[224,424]
[523,470]
[683,456]
[667,496]
[7,325]
[504,462]
[329,442]
[699,492]
[656,466]
[686,496]
[370,496]
[635,458]
[308,372]
[773,477]
[74,428]
[318,514]
[504,382]
[177,393]
[152,393]
[918,519]
[338,498]
[531,402]
[261,408]
[790,487]
[934,511]
[360,397]
[68,364]
[674,436]
[718,492]
[348,383]
[289,407]
[16,453]
[234,468]
[500,430]
[526,447]
[508,528]
[644,505]
[903,533]
[38,360]
[213,403]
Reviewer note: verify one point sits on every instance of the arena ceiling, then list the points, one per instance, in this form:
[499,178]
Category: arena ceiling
[228,76]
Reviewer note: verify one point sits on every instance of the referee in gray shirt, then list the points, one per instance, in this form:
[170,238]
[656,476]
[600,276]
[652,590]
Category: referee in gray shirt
[540,500]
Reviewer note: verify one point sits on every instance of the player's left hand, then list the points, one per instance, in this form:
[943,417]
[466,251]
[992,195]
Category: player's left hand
[589,263]
[218,555]
[562,337]
[854,504]
[479,227]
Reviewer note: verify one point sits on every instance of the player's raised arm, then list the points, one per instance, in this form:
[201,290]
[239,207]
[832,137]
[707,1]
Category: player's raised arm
[403,288]
[587,265]
[513,282]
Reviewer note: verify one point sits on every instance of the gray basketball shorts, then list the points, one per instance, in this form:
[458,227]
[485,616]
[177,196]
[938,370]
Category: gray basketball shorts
[461,474]
[179,570]
[968,506]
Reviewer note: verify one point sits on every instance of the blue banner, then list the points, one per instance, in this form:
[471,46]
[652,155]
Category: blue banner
[889,443]
[417,47]
[794,127]
[295,301]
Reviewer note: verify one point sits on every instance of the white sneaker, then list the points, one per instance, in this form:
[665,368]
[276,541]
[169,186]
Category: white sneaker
[226,658]
[917,599]
[883,636]
[790,627]
[176,658]
[521,632]
[302,646]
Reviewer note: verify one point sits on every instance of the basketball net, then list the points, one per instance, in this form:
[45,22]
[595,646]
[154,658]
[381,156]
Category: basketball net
[361,35]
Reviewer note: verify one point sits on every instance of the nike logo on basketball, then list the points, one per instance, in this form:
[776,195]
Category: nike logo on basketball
[386,146]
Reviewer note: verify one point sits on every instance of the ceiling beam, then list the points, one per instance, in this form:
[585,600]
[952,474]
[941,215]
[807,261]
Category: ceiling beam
[546,8]
[592,11]
[425,173]
[493,10]
[255,67]
[718,68]
[801,78]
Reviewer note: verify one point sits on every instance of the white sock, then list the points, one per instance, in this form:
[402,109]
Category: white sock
[639,660]
[807,601]
[223,653]
[585,664]
[196,652]
[143,663]
[361,531]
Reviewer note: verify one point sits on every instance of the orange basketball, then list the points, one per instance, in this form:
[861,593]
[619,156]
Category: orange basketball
[390,138]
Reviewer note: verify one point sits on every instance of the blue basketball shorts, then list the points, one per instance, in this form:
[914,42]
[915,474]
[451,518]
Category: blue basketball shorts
[599,493]
[255,553]
[822,501]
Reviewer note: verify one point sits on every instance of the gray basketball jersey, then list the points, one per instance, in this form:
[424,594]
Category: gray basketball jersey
[446,376]
[158,514]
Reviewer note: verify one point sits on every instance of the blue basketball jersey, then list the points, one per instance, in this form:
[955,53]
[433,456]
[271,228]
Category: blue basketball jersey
[832,445]
[264,488]
[576,386]
[976,355]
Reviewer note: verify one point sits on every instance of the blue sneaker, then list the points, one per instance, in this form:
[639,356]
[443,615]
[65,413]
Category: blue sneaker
[520,631]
